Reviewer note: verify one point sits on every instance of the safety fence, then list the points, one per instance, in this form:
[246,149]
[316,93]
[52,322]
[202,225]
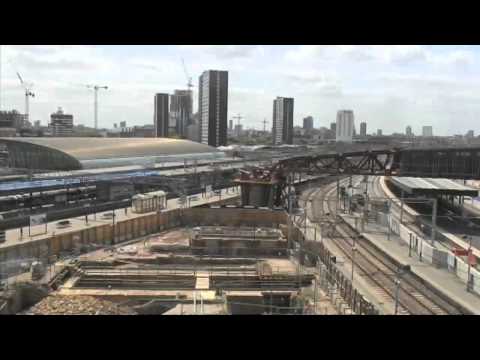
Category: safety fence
[331,278]
[441,258]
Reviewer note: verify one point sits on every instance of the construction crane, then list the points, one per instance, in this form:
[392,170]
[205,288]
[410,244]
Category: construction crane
[265,122]
[28,94]
[189,86]
[189,78]
[238,117]
[95,104]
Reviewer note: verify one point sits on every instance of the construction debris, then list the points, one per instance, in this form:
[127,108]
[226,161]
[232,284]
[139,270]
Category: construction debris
[77,305]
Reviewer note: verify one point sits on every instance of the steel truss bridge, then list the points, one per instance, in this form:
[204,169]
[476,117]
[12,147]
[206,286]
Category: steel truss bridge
[451,163]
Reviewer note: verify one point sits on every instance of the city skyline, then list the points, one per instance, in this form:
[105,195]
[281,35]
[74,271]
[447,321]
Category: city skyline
[410,85]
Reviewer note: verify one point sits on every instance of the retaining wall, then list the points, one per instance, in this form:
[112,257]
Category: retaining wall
[141,226]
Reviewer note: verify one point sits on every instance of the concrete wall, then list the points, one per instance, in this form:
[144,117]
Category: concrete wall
[138,227]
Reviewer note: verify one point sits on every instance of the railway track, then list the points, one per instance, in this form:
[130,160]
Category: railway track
[378,270]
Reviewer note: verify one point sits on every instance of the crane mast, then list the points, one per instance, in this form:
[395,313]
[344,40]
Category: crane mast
[95,101]
[28,95]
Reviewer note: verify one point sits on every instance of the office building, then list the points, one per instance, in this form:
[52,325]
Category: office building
[61,124]
[408,131]
[363,129]
[333,127]
[238,130]
[282,129]
[193,132]
[161,115]
[12,119]
[470,134]
[427,131]
[308,123]
[213,107]
[345,126]
[379,132]
[230,125]
[181,110]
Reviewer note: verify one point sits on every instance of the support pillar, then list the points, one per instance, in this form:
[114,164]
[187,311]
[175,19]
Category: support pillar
[401,208]
[434,220]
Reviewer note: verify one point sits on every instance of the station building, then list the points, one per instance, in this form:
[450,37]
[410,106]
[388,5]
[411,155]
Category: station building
[92,153]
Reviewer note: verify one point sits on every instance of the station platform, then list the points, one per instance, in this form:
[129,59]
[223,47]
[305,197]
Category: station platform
[432,187]
[446,282]
[14,236]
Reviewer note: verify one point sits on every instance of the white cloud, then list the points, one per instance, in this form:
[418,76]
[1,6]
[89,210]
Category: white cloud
[386,85]
[227,51]
[385,54]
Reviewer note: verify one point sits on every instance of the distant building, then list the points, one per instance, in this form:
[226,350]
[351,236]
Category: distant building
[308,123]
[363,129]
[161,115]
[230,125]
[238,130]
[333,127]
[282,129]
[8,132]
[345,126]
[408,131]
[427,131]
[196,118]
[12,119]
[37,124]
[379,132]
[470,134]
[145,131]
[181,110]
[213,107]
[123,124]
[61,124]
[193,132]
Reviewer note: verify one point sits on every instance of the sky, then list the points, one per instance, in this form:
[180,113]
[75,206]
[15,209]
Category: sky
[387,86]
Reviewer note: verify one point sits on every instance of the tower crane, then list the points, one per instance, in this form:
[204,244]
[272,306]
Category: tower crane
[237,129]
[265,122]
[28,94]
[190,91]
[238,118]
[189,78]
[95,104]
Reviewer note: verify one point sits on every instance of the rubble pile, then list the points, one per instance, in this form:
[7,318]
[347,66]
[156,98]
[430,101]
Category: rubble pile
[77,305]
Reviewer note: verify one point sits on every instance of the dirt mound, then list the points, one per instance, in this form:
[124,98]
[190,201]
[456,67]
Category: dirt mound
[77,305]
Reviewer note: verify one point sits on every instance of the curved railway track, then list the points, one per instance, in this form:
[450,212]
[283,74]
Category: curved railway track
[379,270]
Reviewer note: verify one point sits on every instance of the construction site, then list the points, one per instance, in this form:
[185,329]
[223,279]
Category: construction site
[349,234]
[228,260]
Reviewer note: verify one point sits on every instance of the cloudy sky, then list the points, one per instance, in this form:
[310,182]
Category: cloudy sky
[388,86]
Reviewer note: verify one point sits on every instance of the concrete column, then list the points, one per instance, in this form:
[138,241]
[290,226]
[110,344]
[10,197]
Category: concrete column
[434,220]
[401,208]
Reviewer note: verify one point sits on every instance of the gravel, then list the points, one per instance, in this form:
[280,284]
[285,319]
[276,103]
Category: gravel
[77,305]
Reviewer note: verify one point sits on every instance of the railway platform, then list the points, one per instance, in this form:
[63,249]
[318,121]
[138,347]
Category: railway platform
[16,236]
[441,279]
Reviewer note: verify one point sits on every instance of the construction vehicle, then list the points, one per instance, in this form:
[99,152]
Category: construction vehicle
[37,270]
